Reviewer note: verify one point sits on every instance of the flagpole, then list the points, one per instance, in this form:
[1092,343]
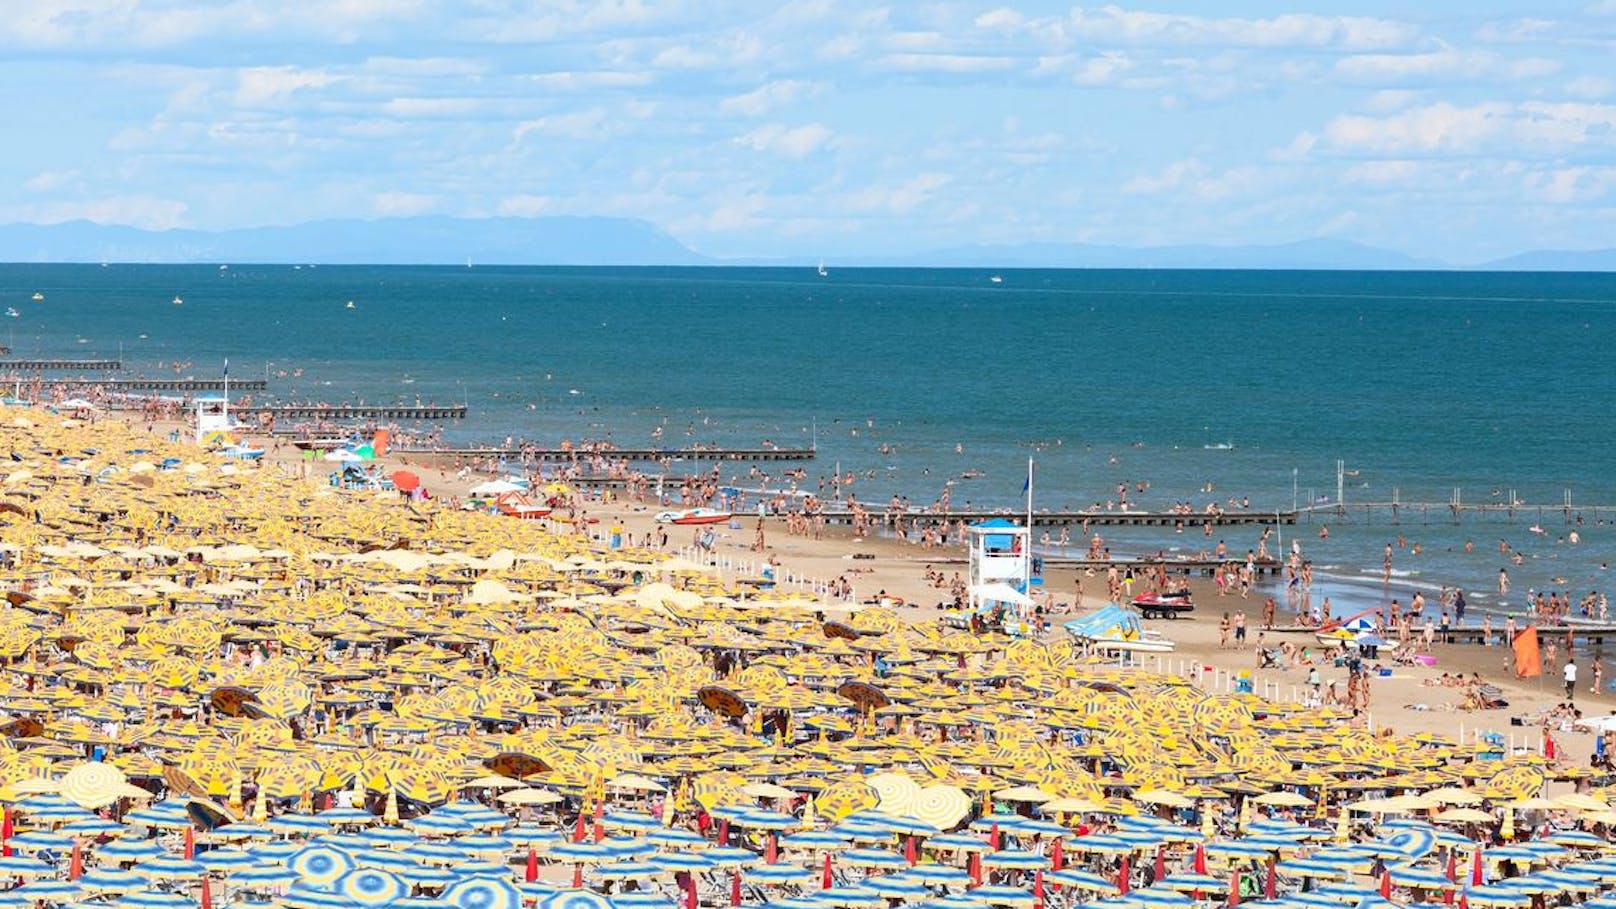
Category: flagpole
[1029,502]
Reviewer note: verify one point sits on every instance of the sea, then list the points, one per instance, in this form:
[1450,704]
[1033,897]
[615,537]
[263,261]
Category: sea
[1262,389]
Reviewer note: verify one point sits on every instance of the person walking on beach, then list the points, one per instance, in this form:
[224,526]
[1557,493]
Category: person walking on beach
[1599,677]
[1223,631]
[1571,678]
[1269,608]
[1239,630]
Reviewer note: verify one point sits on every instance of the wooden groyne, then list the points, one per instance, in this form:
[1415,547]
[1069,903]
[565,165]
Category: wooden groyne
[120,385]
[622,454]
[1142,568]
[351,412]
[1091,518]
[61,365]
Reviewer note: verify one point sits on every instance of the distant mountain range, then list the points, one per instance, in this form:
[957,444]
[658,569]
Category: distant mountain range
[569,240]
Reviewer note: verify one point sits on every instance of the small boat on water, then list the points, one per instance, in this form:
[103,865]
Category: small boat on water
[822,272]
[1219,446]
[995,279]
[12,312]
[689,516]
[38,296]
[350,304]
[178,300]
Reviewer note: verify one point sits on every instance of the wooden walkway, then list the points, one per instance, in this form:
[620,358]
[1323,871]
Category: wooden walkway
[1142,568]
[176,384]
[622,454]
[1092,518]
[1395,513]
[350,412]
[57,365]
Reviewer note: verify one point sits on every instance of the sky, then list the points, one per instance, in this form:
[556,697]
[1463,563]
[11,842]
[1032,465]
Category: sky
[1461,131]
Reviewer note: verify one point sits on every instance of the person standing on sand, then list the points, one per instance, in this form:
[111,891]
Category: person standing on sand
[1239,630]
[1223,632]
[1571,678]
[1269,608]
[1599,677]
[1487,630]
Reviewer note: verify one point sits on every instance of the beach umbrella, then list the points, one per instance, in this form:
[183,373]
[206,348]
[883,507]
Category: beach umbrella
[127,849]
[320,865]
[1424,878]
[777,874]
[813,839]
[49,891]
[40,841]
[1190,882]
[436,853]
[371,887]
[568,899]
[112,880]
[686,861]
[1578,839]
[872,858]
[1080,880]
[171,868]
[999,895]
[153,899]
[1021,861]
[303,895]
[1158,898]
[23,866]
[628,871]
[420,876]
[896,886]
[850,897]
[1494,895]
[1311,868]
[732,857]
[298,824]
[263,876]
[933,873]
[956,841]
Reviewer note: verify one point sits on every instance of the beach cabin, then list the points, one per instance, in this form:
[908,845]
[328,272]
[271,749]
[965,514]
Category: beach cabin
[1000,567]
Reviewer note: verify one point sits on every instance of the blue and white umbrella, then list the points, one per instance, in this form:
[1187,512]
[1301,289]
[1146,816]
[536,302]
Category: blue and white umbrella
[396,837]
[1569,881]
[422,876]
[670,836]
[1103,843]
[999,895]
[242,830]
[167,813]
[303,895]
[53,809]
[50,891]
[643,899]
[128,849]
[849,897]
[276,852]
[777,874]
[872,858]
[815,839]
[576,899]
[684,861]
[896,886]
[587,852]
[371,887]
[40,841]
[227,860]
[482,893]
[759,819]
[956,841]
[1414,843]
[347,816]
[1235,849]
[480,867]
[1493,895]
[730,856]
[864,833]
[24,866]
[171,868]
[1160,898]
[264,876]
[481,843]
[952,901]
[1310,868]
[320,865]
[113,880]
[630,820]
[629,871]
[1021,861]
[298,824]
[437,853]
[382,858]
[933,873]
[153,899]
[1080,880]
[1189,882]
[440,825]
[90,826]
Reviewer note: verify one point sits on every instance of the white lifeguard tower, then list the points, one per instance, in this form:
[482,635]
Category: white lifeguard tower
[212,419]
[1000,568]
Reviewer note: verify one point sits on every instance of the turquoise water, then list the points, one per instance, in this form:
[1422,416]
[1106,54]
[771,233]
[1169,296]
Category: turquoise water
[1420,382]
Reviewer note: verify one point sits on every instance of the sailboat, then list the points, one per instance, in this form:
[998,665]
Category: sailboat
[350,304]
[822,271]
[178,300]
[38,296]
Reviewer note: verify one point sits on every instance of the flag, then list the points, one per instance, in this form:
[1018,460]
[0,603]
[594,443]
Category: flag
[1026,485]
[227,367]
[1527,660]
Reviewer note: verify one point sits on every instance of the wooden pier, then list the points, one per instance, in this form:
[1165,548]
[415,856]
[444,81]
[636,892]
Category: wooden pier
[61,365]
[120,385]
[1454,513]
[353,412]
[622,454]
[1142,568]
[1472,632]
[1092,518]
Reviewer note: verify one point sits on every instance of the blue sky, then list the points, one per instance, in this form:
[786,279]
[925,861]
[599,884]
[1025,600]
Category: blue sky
[1460,130]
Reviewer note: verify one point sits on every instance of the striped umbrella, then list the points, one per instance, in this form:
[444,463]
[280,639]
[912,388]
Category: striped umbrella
[1189,882]
[765,820]
[863,833]
[933,873]
[439,825]
[1568,881]
[171,868]
[112,880]
[437,853]
[1577,839]
[684,861]
[852,897]
[427,877]
[275,852]
[168,813]
[1103,844]
[1021,861]
[50,891]
[23,866]
[628,871]
[778,874]
[1414,843]
[1158,898]
[53,809]
[672,836]
[731,857]
[872,858]
[153,899]
[1080,880]
[1494,895]
[303,895]
[1233,849]
[999,895]
[128,849]
[896,886]
[347,816]
[40,841]
[1603,902]
[643,899]
[90,826]
[263,876]
[242,830]
[1424,878]
[298,824]
[371,887]
[607,850]
[227,860]
[956,841]
[382,858]
[393,836]
[630,820]
[574,899]
[953,901]
[483,867]
[320,865]
[1310,868]
[482,893]
[815,839]
[484,842]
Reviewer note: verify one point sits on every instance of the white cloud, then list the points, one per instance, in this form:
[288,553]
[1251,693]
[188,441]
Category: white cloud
[1171,178]
[790,141]
[1515,30]
[1383,173]
[524,205]
[1105,69]
[948,63]
[1516,128]
[47,180]
[262,86]
[584,124]
[1391,99]
[1567,185]
[1590,88]
[769,96]
[1001,18]
[589,80]
[395,203]
[431,107]
[900,199]
[1295,30]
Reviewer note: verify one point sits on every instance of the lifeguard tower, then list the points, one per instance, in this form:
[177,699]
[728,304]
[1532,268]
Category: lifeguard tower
[213,422]
[1000,569]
